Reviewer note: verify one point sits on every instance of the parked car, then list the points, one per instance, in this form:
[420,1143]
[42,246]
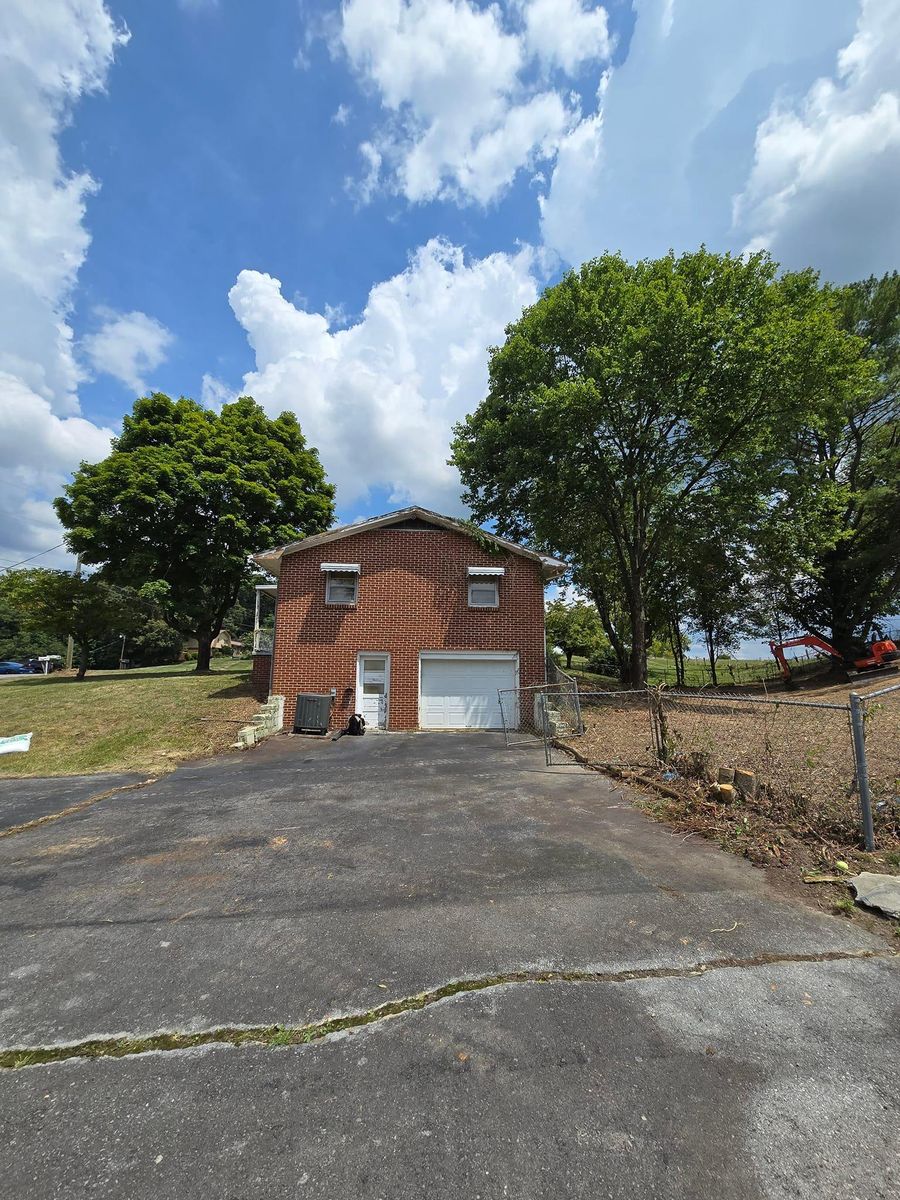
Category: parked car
[43,665]
[14,668]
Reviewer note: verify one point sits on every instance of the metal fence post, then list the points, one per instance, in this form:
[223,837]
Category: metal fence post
[858,727]
[545,727]
[579,728]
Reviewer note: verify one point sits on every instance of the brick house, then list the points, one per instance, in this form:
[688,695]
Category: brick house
[413,619]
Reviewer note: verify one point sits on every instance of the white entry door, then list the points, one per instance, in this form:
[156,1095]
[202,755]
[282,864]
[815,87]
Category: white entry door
[459,691]
[372,677]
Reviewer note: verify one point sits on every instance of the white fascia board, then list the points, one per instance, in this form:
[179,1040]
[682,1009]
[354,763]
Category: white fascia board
[476,654]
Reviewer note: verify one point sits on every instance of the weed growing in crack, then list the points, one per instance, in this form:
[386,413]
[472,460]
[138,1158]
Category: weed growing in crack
[279,1035]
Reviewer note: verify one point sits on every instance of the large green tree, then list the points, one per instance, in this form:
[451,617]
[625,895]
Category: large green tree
[184,497]
[575,628]
[629,391]
[95,612]
[841,587]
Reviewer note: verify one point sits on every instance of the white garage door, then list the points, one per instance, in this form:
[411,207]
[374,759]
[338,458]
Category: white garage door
[461,693]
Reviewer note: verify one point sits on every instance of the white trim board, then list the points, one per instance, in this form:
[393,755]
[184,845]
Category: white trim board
[468,654]
[358,694]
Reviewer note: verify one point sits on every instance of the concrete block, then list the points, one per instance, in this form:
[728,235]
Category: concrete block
[268,720]
[745,782]
[726,775]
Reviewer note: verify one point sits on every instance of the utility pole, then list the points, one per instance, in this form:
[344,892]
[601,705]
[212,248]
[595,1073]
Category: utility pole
[70,645]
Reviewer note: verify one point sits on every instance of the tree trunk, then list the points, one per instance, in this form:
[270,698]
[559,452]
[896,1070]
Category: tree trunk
[204,651]
[843,640]
[711,655]
[84,656]
[677,650]
[637,660]
[611,632]
[568,654]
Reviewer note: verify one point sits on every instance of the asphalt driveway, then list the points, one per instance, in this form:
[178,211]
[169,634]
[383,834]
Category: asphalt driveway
[25,800]
[688,1045]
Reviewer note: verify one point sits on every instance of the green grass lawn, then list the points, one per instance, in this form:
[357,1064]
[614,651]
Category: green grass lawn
[147,719]
[696,673]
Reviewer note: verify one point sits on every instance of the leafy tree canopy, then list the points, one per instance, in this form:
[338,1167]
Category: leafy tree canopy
[95,612]
[186,495]
[575,629]
[840,587]
[17,641]
[630,391]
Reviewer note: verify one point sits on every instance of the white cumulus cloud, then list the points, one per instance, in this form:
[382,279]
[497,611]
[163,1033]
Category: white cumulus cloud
[378,399]
[671,141]
[128,346]
[40,450]
[465,111]
[566,33]
[214,392]
[825,181]
[51,53]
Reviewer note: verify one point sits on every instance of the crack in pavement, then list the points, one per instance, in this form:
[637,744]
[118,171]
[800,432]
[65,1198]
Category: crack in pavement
[297,1035]
[69,811]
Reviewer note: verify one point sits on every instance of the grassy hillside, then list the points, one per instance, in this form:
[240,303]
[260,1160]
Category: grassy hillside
[142,720]
[696,673]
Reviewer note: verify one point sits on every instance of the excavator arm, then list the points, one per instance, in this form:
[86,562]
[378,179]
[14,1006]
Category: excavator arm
[809,640]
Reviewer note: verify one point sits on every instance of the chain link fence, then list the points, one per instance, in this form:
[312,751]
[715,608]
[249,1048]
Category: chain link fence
[834,767]
[791,758]
[881,724]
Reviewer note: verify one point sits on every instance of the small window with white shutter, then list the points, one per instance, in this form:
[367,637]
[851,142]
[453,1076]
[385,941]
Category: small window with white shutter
[484,587]
[341,582]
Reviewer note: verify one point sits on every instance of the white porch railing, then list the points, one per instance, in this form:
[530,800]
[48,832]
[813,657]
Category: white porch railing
[263,640]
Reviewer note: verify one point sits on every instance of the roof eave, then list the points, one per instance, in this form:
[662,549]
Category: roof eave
[270,560]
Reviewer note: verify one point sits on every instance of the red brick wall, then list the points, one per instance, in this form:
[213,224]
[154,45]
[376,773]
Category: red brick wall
[260,671]
[413,595]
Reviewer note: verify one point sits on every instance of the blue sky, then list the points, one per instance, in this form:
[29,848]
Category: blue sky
[412,173]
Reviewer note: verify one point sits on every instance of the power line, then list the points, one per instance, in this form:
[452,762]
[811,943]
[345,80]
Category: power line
[39,554]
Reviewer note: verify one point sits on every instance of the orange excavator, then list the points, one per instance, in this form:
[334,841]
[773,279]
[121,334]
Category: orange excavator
[882,655]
